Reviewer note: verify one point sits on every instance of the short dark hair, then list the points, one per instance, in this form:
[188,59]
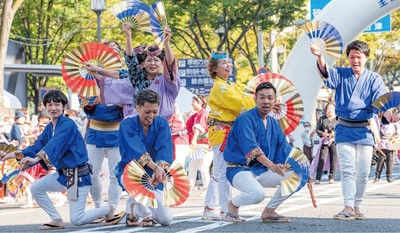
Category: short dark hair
[55,96]
[358,45]
[327,105]
[147,96]
[265,85]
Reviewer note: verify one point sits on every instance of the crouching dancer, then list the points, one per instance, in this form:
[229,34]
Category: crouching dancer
[62,146]
[147,139]
[255,152]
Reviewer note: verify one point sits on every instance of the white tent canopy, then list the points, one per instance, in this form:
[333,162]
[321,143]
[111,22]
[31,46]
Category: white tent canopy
[11,101]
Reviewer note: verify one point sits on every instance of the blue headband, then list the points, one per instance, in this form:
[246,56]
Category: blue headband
[219,55]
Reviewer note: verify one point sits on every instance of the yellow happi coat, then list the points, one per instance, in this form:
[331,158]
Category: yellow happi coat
[227,100]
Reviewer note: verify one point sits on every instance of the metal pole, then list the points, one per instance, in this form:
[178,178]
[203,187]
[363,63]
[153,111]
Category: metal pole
[273,52]
[98,26]
[260,48]
[69,97]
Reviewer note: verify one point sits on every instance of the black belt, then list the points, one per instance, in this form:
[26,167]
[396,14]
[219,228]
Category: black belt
[83,170]
[353,123]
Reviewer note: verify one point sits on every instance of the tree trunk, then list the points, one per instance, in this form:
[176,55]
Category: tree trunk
[7,15]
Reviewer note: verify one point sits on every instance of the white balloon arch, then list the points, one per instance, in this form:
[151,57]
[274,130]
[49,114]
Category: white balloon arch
[350,18]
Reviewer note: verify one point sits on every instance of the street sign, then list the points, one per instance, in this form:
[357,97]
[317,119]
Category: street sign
[382,25]
[194,76]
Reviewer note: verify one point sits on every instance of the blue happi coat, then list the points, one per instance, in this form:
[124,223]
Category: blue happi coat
[102,112]
[353,98]
[248,135]
[65,148]
[134,143]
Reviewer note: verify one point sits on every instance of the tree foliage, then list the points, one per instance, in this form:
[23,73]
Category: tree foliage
[385,52]
[198,24]
[7,12]
[51,28]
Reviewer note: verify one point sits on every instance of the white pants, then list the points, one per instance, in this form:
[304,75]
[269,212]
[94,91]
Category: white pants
[161,215]
[203,165]
[77,213]
[218,183]
[96,157]
[252,188]
[355,165]
[181,153]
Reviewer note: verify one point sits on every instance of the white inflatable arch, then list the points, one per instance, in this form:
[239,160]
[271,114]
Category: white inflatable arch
[350,18]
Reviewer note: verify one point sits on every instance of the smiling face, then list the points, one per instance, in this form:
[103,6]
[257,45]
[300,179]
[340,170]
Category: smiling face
[224,68]
[265,100]
[152,65]
[147,112]
[55,109]
[357,61]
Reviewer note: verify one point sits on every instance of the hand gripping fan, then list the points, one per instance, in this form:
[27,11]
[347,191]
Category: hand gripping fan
[176,186]
[326,36]
[77,77]
[137,183]
[158,22]
[289,109]
[133,12]
[387,101]
[298,162]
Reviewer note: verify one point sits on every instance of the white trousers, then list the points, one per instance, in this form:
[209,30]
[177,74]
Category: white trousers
[181,153]
[203,165]
[218,185]
[355,165]
[77,213]
[252,188]
[161,215]
[96,158]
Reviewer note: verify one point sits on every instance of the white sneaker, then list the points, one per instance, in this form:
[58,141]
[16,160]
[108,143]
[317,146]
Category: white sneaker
[325,177]
[210,215]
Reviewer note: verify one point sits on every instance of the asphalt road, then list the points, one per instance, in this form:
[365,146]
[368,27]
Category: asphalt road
[381,206]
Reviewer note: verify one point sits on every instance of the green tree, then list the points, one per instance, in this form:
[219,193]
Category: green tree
[195,24]
[48,28]
[8,10]
[385,52]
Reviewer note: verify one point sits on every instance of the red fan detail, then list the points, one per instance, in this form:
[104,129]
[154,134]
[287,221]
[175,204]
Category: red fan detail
[77,77]
[290,105]
[136,183]
[176,187]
